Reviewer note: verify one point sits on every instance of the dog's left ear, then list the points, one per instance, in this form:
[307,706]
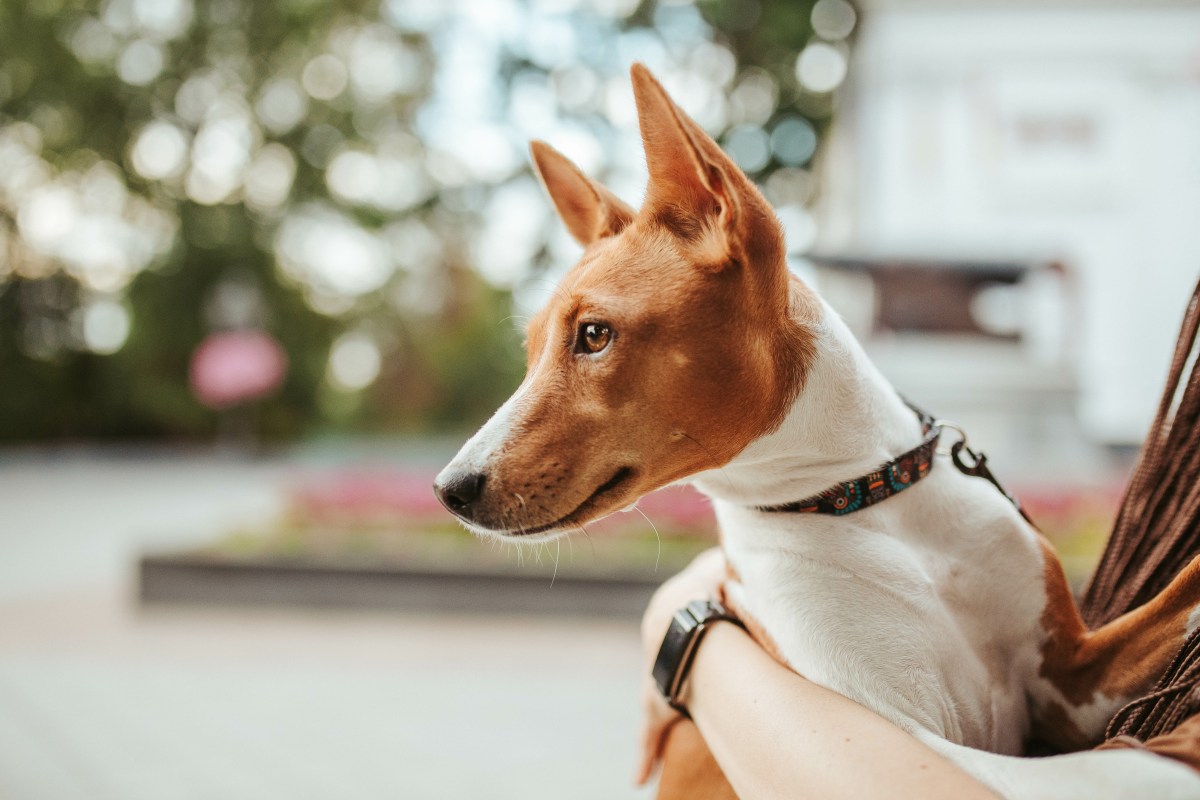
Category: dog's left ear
[695,188]
[589,210]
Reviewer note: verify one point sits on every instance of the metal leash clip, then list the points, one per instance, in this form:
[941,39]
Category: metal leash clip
[976,466]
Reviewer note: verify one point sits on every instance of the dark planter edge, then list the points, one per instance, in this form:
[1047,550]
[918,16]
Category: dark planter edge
[206,579]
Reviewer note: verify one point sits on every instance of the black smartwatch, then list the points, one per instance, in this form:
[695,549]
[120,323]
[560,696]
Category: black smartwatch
[680,644]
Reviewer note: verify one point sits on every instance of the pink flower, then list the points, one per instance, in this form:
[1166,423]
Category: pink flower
[236,366]
[367,495]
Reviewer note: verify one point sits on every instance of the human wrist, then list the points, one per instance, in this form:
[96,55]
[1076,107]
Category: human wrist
[720,637]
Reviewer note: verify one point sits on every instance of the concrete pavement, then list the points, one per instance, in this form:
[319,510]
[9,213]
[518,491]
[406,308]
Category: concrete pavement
[99,699]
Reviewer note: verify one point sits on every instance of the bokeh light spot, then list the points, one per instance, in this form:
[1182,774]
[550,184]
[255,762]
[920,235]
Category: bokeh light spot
[821,67]
[418,16]
[754,98]
[196,96]
[576,87]
[352,175]
[165,19]
[618,9]
[47,216]
[382,66]
[515,218]
[325,77]
[281,106]
[140,62]
[749,147]
[220,153]
[105,326]
[789,186]
[92,42]
[833,19]
[329,252]
[159,151]
[269,178]
[354,362]
[793,141]
[714,62]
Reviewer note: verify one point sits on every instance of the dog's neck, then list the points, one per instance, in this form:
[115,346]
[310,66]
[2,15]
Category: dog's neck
[846,421]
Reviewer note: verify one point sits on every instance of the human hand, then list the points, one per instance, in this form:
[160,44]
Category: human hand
[699,580]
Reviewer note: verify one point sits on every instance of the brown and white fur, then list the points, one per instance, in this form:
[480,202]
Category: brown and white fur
[940,608]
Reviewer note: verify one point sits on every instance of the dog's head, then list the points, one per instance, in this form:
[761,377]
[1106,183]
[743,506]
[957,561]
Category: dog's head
[676,340]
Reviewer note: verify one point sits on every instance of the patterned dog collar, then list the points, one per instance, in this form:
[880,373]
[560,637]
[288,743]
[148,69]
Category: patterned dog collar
[892,478]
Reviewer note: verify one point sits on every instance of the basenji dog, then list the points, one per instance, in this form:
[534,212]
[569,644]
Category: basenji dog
[681,348]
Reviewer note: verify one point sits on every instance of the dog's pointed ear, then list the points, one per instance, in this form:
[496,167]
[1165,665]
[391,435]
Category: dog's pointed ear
[693,186]
[589,210]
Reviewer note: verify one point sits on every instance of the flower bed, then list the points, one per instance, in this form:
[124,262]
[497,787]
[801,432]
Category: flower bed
[378,538]
[390,515]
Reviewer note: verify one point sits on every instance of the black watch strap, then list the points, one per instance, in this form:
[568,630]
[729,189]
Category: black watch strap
[679,646]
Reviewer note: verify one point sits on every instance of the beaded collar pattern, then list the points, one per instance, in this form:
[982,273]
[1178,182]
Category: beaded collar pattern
[889,479]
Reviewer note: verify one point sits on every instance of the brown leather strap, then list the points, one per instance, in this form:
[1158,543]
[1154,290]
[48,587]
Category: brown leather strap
[1157,531]
[1156,534]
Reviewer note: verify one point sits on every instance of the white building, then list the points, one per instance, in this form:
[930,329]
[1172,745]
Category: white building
[1031,132]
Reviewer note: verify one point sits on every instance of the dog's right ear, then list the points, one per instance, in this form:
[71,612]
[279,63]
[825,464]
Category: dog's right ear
[697,190]
[589,210]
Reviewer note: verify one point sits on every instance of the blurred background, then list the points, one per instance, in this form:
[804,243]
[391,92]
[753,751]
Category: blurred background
[263,266]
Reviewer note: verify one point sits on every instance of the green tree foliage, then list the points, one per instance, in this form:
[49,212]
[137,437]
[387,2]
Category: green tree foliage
[171,168]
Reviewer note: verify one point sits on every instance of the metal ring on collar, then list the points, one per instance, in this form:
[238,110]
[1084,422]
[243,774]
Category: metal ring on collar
[946,424]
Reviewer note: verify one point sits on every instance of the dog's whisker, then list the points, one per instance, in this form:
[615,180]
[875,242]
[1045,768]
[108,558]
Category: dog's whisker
[515,524]
[657,537]
[518,317]
[557,555]
[556,287]
[591,544]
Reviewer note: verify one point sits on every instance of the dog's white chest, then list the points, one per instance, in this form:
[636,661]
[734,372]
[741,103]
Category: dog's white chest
[920,635]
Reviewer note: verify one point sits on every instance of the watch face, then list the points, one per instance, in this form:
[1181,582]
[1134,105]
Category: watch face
[670,655]
[701,609]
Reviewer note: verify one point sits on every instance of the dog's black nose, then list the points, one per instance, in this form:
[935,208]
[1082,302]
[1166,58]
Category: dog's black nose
[459,492]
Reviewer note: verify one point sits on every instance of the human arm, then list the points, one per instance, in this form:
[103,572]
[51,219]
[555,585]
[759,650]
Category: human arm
[776,734]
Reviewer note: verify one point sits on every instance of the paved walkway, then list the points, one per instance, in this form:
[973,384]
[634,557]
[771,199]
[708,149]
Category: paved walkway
[99,699]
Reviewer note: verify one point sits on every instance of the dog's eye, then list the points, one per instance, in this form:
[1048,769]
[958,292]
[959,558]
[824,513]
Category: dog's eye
[593,337]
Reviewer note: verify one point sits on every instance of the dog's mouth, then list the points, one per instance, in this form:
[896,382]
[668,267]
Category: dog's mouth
[582,511]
